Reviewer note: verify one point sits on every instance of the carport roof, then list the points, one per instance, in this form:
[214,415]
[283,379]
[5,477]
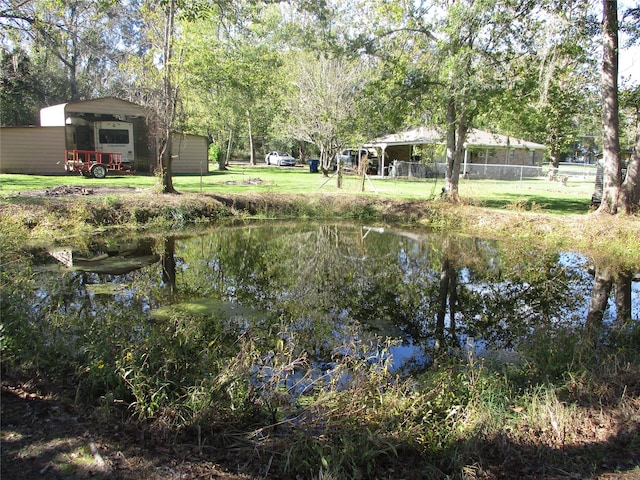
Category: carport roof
[56,115]
[475,138]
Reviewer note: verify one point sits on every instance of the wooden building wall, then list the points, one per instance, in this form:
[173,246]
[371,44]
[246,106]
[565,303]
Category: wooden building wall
[191,153]
[32,150]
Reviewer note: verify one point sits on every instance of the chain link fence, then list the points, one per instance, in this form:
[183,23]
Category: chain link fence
[399,169]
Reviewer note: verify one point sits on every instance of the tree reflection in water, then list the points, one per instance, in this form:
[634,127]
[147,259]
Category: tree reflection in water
[429,292]
[609,278]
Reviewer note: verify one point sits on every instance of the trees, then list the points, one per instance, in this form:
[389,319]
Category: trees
[78,43]
[630,101]
[630,191]
[231,76]
[607,279]
[477,42]
[169,100]
[565,61]
[323,104]
[549,93]
[612,170]
[228,68]
[57,51]
[616,195]
[159,88]
[455,56]
[153,80]
[20,89]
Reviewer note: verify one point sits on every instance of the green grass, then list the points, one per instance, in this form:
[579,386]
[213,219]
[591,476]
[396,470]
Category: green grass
[543,195]
[534,194]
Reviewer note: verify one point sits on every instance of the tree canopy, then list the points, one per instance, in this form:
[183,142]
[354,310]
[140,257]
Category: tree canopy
[254,75]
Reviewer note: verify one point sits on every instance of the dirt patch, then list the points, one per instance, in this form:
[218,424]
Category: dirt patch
[46,437]
[78,191]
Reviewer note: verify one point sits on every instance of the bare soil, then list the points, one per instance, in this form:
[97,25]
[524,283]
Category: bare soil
[45,436]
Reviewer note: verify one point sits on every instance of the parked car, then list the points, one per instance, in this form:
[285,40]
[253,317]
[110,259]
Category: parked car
[351,158]
[280,159]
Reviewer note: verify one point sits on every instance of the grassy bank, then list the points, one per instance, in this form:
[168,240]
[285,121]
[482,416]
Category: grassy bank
[554,213]
[570,197]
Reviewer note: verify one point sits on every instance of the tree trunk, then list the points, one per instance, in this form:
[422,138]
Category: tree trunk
[364,166]
[451,183]
[461,135]
[622,286]
[72,64]
[630,191]
[302,152]
[554,157]
[610,120]
[252,152]
[223,160]
[456,134]
[168,261]
[166,164]
[325,162]
[443,292]
[453,304]
[169,100]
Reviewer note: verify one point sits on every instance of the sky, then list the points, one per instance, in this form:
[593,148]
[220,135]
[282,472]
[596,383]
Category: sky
[629,58]
[629,64]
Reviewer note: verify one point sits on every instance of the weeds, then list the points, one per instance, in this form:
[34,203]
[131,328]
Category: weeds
[354,419]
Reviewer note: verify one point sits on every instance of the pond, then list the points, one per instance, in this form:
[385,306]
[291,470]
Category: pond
[336,347]
[402,295]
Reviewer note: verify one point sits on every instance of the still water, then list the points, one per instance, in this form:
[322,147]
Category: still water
[319,287]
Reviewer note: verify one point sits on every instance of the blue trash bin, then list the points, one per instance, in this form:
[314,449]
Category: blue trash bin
[314,163]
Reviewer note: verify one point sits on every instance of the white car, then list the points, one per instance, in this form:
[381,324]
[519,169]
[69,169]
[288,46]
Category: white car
[280,159]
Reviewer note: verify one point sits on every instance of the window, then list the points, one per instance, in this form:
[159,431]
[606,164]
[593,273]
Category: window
[113,136]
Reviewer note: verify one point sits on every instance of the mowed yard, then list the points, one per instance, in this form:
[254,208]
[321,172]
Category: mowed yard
[571,196]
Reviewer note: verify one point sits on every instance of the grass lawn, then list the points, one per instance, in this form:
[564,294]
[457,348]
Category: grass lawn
[532,194]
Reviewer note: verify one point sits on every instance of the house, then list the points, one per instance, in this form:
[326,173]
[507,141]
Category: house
[103,124]
[483,151]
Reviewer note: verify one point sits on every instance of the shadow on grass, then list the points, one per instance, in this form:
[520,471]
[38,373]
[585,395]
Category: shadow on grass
[544,203]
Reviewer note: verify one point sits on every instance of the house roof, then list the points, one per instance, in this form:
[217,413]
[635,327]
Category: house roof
[475,138]
[480,138]
[56,115]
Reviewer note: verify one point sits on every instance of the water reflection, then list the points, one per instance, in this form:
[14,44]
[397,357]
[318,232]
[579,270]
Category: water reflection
[115,258]
[314,286]
[609,282]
